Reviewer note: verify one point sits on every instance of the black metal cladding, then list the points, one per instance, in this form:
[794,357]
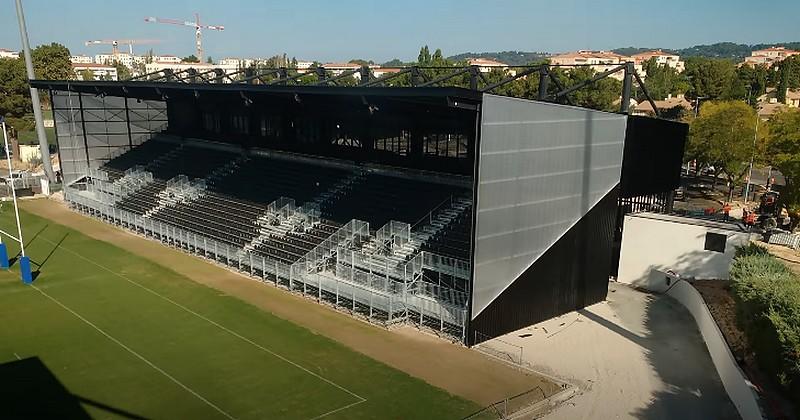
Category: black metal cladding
[570,275]
[651,163]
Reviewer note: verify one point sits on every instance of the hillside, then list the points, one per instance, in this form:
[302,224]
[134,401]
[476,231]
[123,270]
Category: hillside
[513,58]
[729,50]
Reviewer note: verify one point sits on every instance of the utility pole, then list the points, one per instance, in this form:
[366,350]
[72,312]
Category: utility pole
[37,107]
[750,171]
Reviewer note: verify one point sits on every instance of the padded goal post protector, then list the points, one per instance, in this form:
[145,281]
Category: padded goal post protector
[3,256]
[25,269]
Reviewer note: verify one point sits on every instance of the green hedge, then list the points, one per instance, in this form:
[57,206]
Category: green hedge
[767,298]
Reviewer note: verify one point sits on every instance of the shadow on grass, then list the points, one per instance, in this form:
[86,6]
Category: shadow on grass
[30,390]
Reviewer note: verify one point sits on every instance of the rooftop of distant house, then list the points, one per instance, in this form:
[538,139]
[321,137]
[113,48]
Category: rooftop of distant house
[92,65]
[486,62]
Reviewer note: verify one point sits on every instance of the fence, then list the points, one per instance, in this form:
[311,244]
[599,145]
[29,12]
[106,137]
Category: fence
[518,406]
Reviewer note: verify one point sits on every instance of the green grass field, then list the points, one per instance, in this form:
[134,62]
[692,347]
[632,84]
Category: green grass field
[127,338]
[29,136]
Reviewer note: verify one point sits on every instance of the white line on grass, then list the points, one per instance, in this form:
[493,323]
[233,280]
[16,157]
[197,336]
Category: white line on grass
[131,351]
[222,327]
[17,356]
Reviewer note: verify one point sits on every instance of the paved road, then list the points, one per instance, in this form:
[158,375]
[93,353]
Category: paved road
[634,356]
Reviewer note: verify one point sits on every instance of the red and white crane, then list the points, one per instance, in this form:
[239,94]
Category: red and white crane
[198,27]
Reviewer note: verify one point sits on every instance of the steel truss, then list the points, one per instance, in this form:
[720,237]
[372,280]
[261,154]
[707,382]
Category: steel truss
[416,76]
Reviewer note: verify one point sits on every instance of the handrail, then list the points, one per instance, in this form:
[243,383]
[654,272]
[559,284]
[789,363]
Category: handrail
[430,213]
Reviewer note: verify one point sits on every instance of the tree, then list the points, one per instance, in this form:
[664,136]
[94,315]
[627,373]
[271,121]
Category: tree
[395,62]
[600,95]
[709,78]
[361,62]
[87,74]
[663,80]
[190,59]
[123,72]
[209,60]
[723,136]
[783,151]
[749,83]
[51,62]
[15,98]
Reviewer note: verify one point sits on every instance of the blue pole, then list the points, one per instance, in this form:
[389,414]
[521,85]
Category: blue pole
[25,269]
[3,256]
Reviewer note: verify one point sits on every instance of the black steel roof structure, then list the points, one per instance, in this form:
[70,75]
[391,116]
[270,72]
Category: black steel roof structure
[456,82]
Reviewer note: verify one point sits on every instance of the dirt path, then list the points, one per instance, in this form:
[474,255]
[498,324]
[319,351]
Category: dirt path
[458,370]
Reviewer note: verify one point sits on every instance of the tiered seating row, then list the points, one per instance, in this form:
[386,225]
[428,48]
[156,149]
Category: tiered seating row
[381,198]
[142,154]
[143,199]
[453,240]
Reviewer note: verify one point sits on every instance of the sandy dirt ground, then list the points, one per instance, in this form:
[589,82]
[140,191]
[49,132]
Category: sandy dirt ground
[456,369]
[635,355]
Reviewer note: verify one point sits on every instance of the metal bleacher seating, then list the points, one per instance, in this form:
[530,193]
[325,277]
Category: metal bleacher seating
[143,154]
[380,198]
[453,240]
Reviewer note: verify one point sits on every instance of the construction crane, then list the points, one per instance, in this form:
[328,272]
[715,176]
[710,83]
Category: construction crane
[196,25]
[115,43]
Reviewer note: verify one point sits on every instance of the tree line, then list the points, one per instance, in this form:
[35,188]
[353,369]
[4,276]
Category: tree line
[50,61]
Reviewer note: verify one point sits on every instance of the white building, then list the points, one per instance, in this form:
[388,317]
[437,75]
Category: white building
[653,244]
[125,59]
[99,71]
[81,59]
[239,63]
[662,58]
[166,59]
[769,56]
[486,65]
[4,53]
[599,61]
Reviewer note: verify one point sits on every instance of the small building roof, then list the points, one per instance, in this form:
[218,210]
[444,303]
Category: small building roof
[691,220]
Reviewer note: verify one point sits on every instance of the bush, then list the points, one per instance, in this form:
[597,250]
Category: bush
[767,298]
[751,248]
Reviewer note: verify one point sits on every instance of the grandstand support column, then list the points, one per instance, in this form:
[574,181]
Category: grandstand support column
[83,131]
[627,83]
[128,120]
[263,268]
[543,81]
[251,263]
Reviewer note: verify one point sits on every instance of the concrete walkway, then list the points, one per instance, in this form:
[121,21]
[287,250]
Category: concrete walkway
[634,356]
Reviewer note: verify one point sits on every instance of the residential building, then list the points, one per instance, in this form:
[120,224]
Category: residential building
[670,102]
[768,103]
[486,65]
[99,71]
[4,53]
[125,59]
[769,56]
[599,61]
[666,59]
[304,65]
[166,59]
[339,68]
[381,71]
[81,59]
[239,63]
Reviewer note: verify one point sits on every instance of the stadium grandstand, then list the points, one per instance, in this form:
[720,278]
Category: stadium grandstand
[459,211]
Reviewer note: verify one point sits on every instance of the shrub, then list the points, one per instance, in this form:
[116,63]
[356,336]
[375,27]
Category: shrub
[751,248]
[767,298]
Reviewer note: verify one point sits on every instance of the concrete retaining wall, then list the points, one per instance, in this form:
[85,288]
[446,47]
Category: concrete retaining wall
[736,384]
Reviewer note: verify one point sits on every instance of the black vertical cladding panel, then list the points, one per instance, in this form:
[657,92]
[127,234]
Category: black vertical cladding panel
[651,162]
[570,275]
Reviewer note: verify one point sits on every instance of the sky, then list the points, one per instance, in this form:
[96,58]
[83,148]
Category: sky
[340,30]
